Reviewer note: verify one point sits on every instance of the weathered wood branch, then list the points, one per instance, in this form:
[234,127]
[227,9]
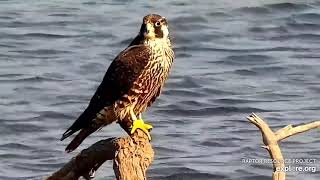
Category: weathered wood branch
[131,157]
[290,131]
[271,139]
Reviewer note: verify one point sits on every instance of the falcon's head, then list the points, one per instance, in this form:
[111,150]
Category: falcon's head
[154,27]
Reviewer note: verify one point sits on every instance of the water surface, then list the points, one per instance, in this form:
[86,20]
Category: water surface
[233,58]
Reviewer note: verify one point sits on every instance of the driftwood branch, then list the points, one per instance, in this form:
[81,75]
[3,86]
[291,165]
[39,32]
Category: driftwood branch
[290,131]
[131,157]
[271,139]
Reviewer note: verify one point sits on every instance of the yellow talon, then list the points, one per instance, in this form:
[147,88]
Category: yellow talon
[139,124]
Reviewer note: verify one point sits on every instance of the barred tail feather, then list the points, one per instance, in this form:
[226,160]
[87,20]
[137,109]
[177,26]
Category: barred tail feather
[83,120]
[68,133]
[83,134]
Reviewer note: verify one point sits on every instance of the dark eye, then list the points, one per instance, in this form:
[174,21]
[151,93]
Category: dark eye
[158,23]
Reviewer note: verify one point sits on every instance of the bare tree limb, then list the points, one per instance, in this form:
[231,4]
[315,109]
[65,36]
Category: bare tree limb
[131,157]
[290,131]
[271,139]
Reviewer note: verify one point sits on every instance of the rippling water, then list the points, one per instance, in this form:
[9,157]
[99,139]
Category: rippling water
[233,58]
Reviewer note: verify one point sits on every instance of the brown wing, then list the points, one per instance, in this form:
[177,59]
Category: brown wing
[118,80]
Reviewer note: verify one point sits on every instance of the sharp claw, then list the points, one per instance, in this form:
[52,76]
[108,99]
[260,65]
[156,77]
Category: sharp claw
[148,126]
[147,133]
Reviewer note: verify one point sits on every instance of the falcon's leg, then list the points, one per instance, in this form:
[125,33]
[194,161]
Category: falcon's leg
[138,123]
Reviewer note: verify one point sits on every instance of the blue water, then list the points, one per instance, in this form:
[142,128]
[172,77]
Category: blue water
[232,58]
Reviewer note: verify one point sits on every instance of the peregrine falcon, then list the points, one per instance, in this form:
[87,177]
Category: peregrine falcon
[132,83]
